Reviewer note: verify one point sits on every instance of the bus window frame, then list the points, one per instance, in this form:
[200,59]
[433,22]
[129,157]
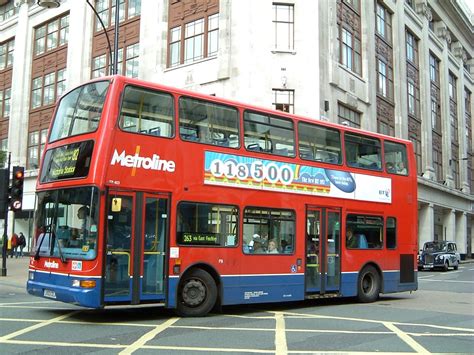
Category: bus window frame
[181,125]
[65,96]
[269,209]
[150,90]
[271,150]
[357,165]
[237,225]
[317,126]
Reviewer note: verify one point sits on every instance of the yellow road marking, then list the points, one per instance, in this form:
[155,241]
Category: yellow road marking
[280,334]
[36,326]
[406,338]
[149,336]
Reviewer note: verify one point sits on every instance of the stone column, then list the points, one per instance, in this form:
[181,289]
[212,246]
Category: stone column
[461,233]
[426,224]
[449,225]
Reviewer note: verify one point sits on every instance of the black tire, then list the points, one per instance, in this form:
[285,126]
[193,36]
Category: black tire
[456,266]
[368,285]
[446,266]
[197,294]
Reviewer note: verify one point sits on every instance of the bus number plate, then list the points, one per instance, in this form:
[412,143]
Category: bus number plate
[49,294]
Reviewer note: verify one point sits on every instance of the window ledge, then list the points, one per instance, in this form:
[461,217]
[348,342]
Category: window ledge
[189,64]
[275,51]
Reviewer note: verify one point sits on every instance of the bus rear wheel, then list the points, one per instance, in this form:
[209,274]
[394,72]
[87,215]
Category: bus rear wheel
[368,286]
[197,294]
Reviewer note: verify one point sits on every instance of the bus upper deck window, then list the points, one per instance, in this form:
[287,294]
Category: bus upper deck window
[147,112]
[395,158]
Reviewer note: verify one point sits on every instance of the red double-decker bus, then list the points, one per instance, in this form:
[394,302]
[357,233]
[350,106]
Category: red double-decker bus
[154,195]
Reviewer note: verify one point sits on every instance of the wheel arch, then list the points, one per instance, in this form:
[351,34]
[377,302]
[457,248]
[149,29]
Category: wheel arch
[210,270]
[379,272]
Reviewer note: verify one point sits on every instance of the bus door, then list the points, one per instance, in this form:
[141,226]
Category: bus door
[323,267]
[137,226]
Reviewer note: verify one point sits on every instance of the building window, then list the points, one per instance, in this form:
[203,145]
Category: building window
[201,39]
[36,142]
[284,100]
[129,67]
[412,101]
[348,117]
[131,62]
[5,98]
[434,69]
[355,4]
[6,54]
[382,78]
[46,89]
[453,112]
[384,23]
[175,47]
[349,36]
[8,10]
[412,48]
[99,66]
[213,35]
[52,35]
[106,9]
[193,41]
[283,20]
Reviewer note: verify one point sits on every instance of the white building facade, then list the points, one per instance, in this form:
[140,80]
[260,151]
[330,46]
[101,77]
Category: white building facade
[403,68]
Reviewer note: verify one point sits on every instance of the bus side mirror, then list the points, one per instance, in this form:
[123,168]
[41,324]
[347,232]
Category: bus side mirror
[116,204]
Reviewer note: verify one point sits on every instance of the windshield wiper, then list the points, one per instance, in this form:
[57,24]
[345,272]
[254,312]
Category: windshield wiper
[61,255]
[37,254]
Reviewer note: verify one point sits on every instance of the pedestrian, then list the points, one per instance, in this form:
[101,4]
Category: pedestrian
[21,243]
[14,246]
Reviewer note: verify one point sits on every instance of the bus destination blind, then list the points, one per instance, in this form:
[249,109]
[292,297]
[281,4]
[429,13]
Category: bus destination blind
[67,162]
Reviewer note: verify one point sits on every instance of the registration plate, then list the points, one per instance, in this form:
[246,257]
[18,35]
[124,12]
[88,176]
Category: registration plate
[427,266]
[49,294]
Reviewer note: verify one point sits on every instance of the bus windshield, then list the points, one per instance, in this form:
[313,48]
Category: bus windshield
[66,223]
[79,111]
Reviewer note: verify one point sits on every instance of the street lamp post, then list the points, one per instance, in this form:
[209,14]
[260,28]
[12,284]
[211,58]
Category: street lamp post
[49,4]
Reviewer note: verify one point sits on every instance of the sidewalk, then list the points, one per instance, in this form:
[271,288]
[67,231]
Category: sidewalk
[17,270]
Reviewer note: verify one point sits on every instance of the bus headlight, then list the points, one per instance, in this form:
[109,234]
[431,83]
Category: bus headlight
[76,283]
[31,275]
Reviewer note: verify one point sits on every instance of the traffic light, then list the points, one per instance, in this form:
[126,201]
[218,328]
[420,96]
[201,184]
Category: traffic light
[4,183]
[16,192]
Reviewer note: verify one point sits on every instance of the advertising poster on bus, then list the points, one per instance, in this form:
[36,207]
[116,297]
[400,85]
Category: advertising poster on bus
[263,174]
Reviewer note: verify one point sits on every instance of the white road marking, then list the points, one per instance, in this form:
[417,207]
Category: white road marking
[449,281]
[406,338]
[149,336]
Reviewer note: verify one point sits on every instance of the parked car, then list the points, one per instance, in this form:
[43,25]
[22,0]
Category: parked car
[439,255]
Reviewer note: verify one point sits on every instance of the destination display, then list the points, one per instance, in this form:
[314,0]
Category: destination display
[198,239]
[67,162]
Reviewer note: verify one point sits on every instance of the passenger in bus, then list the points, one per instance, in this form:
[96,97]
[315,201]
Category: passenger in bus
[390,167]
[272,247]
[258,247]
[401,168]
[351,240]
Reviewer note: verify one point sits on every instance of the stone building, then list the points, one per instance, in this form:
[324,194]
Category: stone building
[403,68]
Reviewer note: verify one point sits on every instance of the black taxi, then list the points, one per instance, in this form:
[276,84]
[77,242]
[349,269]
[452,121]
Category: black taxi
[439,255]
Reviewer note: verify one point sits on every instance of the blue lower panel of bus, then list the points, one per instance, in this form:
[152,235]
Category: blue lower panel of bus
[253,289]
[391,283]
[59,287]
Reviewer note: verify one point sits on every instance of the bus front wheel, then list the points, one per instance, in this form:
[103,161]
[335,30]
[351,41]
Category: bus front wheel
[197,294]
[368,288]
